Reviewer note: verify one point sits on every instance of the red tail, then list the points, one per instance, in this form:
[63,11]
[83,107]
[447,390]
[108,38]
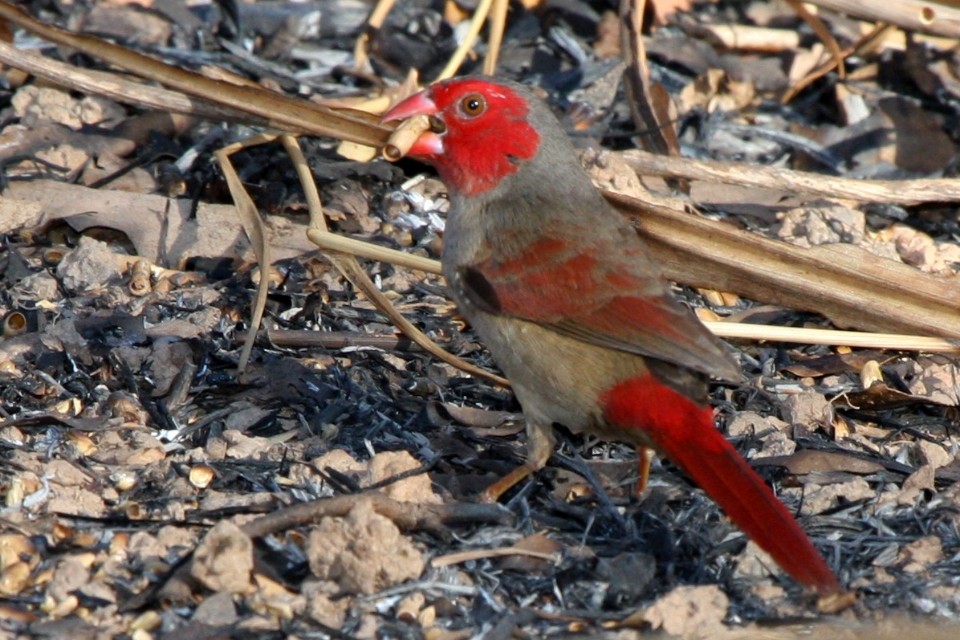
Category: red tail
[685,433]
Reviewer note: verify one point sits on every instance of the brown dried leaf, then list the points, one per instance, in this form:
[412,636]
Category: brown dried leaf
[933,453]
[834,363]
[715,91]
[164,230]
[809,461]
[882,396]
[539,543]
[492,423]
[919,481]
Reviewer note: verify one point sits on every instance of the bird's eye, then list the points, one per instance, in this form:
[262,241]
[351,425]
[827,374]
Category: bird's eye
[473,105]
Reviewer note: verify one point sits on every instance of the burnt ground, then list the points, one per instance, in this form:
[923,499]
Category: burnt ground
[145,478]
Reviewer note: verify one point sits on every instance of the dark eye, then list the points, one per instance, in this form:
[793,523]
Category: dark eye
[473,105]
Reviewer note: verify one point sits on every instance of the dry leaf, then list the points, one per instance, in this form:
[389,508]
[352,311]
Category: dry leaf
[715,91]
[165,231]
[808,461]
[539,543]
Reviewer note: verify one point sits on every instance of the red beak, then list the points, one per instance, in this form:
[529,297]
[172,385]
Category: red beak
[429,144]
[416,105]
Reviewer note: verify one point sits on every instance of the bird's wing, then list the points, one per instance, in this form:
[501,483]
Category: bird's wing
[602,289]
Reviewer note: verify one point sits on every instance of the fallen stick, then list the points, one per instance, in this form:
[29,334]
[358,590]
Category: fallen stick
[902,192]
[938,18]
[309,339]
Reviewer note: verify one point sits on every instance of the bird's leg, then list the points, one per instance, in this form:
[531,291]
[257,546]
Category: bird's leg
[644,458]
[540,443]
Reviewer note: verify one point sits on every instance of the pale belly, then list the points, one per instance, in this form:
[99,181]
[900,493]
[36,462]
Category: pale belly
[557,378]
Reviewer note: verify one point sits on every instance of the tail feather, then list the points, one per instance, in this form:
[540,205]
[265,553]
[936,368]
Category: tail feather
[684,432]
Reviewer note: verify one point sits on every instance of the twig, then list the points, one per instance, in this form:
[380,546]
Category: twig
[361,51]
[408,516]
[279,111]
[476,23]
[902,192]
[498,23]
[307,339]
[938,18]
[404,137]
[347,265]
[824,34]
[361,249]
[861,339]
[866,44]
[120,89]
[253,226]
[738,37]
[480,554]
[648,102]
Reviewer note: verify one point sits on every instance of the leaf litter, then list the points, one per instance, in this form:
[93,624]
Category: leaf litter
[131,448]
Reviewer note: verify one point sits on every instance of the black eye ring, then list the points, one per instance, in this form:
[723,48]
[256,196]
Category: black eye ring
[473,105]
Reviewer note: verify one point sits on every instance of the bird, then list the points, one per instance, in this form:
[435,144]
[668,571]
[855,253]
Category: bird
[573,309]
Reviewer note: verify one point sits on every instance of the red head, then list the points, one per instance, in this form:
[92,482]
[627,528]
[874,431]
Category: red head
[480,131]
